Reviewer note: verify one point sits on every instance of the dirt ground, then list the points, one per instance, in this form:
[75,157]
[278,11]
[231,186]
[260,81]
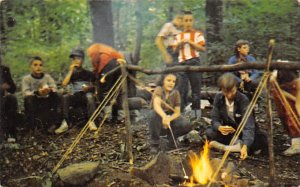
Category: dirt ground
[39,152]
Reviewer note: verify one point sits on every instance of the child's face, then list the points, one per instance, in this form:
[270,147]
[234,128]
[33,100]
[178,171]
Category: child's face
[77,60]
[178,21]
[244,49]
[36,67]
[169,82]
[230,94]
[187,22]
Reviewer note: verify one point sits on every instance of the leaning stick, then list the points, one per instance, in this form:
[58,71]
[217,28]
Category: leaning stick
[272,181]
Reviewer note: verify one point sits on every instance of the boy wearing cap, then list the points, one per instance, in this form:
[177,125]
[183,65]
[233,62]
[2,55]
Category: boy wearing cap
[39,90]
[81,82]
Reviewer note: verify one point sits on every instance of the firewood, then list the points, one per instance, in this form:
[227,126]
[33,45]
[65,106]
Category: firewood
[157,171]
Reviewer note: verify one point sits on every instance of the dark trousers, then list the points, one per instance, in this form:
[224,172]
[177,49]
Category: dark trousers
[249,89]
[180,126]
[103,88]
[195,82]
[8,115]
[79,99]
[42,109]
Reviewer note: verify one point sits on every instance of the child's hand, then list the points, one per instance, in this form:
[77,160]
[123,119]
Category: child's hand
[75,64]
[166,122]
[225,130]
[244,152]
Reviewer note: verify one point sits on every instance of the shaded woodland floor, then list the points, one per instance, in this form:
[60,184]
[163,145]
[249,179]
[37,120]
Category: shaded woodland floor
[40,152]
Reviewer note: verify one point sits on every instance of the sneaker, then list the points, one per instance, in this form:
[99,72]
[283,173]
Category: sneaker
[292,151]
[234,148]
[63,127]
[154,150]
[51,129]
[217,145]
[11,140]
[92,126]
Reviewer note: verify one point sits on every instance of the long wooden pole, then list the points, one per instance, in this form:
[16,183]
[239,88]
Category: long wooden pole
[218,68]
[127,116]
[272,181]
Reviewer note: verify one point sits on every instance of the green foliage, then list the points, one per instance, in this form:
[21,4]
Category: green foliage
[259,21]
[51,28]
[48,28]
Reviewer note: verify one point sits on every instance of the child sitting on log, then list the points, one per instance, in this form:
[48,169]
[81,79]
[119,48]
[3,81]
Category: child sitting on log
[166,117]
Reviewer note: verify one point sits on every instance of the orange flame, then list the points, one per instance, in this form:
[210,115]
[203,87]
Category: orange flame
[201,167]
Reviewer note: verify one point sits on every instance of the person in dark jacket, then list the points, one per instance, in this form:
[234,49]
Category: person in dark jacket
[8,105]
[82,83]
[228,110]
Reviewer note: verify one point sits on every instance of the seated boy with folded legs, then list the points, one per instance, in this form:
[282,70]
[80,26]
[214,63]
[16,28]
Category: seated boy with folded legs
[228,110]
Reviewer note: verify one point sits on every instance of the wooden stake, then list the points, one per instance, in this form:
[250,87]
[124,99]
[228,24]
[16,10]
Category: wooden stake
[272,181]
[127,116]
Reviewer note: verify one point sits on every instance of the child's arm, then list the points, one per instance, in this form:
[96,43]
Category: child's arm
[197,46]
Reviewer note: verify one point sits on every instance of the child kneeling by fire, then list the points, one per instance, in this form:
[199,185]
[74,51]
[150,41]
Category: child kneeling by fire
[229,107]
[166,117]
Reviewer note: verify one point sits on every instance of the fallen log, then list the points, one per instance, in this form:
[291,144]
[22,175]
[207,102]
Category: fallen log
[218,68]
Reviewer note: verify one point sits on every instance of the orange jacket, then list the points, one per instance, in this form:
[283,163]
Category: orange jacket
[101,55]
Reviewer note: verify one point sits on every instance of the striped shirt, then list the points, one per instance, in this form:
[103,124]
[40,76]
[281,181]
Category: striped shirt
[187,52]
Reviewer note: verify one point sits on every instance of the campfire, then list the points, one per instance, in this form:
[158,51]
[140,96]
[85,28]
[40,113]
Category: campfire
[201,167]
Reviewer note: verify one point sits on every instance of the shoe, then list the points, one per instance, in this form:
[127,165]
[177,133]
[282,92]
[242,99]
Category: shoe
[92,126]
[154,149]
[234,148]
[63,127]
[51,129]
[294,149]
[11,140]
[217,145]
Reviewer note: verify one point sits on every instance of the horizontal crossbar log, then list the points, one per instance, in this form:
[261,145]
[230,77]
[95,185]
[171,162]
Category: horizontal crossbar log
[218,68]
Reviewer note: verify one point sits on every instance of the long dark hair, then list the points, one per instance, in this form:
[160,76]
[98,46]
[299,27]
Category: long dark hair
[160,81]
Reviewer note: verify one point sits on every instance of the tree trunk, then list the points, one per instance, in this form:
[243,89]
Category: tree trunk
[5,22]
[139,33]
[102,21]
[214,19]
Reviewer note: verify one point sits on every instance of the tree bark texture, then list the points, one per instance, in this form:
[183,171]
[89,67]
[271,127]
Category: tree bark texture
[214,19]
[219,68]
[102,21]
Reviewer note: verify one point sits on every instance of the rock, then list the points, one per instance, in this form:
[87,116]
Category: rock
[78,174]
[157,171]
[194,137]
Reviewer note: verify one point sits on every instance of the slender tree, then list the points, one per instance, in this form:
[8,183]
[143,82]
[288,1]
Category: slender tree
[102,21]
[214,15]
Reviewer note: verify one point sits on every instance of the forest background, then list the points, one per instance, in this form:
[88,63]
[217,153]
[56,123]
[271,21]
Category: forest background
[51,28]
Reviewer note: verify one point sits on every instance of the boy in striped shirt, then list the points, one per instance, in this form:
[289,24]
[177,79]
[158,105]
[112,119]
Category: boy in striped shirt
[189,43]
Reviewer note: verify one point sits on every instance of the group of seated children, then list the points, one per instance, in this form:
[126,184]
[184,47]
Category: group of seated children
[41,95]
[229,107]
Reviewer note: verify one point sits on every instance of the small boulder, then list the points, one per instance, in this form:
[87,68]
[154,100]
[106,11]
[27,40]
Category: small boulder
[78,174]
